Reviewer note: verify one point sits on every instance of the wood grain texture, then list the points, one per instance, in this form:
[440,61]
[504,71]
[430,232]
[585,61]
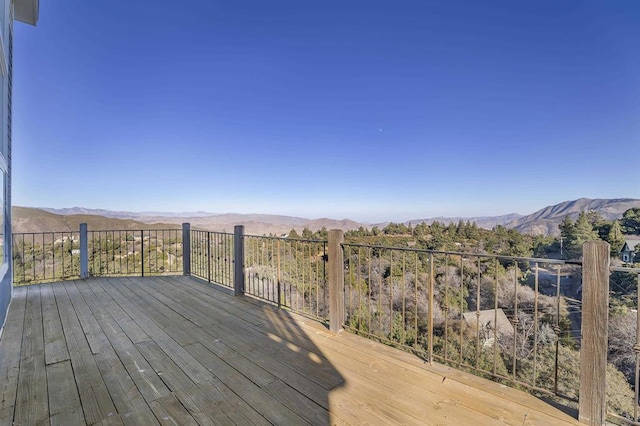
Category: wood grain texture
[175,350]
[10,348]
[336,280]
[32,401]
[592,408]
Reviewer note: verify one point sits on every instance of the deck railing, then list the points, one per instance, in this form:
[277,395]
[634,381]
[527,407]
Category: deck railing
[212,257]
[498,316]
[138,252]
[57,256]
[45,256]
[521,321]
[288,272]
[624,340]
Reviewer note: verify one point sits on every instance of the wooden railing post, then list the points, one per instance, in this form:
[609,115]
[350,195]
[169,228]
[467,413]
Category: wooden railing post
[592,408]
[238,259]
[186,249]
[336,280]
[84,251]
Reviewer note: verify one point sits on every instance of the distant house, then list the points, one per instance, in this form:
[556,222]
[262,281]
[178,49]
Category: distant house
[628,250]
[491,323]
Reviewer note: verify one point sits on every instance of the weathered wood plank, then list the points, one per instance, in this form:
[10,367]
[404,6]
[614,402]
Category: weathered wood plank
[32,401]
[279,322]
[64,402]
[491,392]
[592,407]
[147,381]
[94,395]
[232,405]
[172,375]
[169,411]
[244,382]
[247,363]
[203,406]
[233,357]
[10,348]
[111,420]
[121,290]
[124,393]
[256,397]
[234,352]
[410,375]
[251,340]
[55,347]
[335,267]
[104,300]
[92,330]
[122,317]
[164,336]
[300,404]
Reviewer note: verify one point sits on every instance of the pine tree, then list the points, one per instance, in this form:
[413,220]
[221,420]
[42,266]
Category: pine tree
[581,232]
[615,238]
[631,221]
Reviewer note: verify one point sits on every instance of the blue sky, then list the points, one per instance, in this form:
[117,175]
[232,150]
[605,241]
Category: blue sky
[361,109]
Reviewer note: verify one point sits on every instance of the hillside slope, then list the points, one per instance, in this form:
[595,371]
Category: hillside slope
[542,222]
[27,219]
[545,221]
[487,222]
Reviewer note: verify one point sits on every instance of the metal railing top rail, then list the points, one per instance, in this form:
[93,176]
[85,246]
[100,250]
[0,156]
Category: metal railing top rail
[467,254]
[289,272]
[44,232]
[97,230]
[133,230]
[302,240]
[624,269]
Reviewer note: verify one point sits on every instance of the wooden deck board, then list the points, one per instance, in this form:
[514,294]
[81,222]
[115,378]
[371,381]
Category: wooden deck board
[55,347]
[10,349]
[248,360]
[64,401]
[149,384]
[169,411]
[32,402]
[174,350]
[255,344]
[94,395]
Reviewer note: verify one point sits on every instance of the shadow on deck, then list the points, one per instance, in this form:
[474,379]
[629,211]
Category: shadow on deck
[175,350]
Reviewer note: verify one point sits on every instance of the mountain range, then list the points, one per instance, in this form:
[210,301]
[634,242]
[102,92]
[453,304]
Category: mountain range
[542,222]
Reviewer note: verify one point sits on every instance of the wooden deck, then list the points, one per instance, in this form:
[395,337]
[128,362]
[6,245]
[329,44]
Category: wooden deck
[176,351]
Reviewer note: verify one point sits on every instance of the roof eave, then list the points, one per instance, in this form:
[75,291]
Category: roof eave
[26,11]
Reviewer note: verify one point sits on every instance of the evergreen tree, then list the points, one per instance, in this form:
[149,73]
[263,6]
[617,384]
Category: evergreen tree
[631,221]
[293,234]
[577,233]
[599,224]
[307,234]
[323,234]
[615,238]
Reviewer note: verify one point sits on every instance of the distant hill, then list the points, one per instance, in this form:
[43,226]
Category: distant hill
[488,222]
[542,222]
[27,219]
[546,220]
[121,214]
